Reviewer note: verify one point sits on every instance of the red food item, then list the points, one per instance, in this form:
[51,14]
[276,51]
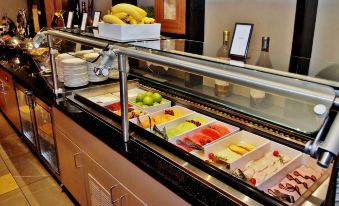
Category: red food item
[115,106]
[211,156]
[202,138]
[253,181]
[276,153]
[220,128]
[211,133]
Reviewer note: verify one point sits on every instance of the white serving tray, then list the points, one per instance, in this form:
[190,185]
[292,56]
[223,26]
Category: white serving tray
[183,119]
[260,152]
[104,99]
[185,111]
[129,32]
[239,137]
[231,128]
[301,160]
[132,93]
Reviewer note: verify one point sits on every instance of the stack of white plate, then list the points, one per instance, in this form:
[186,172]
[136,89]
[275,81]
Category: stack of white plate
[59,66]
[75,72]
[92,76]
[81,53]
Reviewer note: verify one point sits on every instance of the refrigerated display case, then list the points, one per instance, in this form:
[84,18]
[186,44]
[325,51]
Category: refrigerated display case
[45,134]
[26,107]
[37,126]
[257,143]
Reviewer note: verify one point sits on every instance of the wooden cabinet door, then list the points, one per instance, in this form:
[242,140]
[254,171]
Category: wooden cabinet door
[103,189]
[172,15]
[71,167]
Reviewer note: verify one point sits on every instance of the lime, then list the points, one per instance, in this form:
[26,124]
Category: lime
[149,93]
[157,97]
[140,103]
[163,102]
[140,97]
[156,104]
[134,101]
[148,100]
[144,106]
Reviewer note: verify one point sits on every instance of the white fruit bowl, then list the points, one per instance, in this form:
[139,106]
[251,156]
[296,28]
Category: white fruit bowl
[129,32]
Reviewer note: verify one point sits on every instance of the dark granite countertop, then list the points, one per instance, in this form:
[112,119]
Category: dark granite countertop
[186,185]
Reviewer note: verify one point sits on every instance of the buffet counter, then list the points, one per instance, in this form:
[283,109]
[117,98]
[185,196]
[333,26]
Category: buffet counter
[191,147]
[183,184]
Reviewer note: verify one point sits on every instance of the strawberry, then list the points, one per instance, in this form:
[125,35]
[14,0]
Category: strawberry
[211,156]
[276,153]
[253,181]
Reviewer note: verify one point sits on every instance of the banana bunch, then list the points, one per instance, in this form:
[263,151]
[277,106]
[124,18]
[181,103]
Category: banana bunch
[127,14]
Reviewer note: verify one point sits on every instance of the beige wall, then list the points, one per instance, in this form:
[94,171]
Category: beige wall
[11,7]
[325,51]
[270,18]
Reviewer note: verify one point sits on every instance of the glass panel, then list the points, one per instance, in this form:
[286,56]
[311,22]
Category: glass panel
[289,110]
[170,9]
[46,137]
[26,119]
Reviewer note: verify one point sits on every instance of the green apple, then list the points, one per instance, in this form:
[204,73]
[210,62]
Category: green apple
[148,100]
[140,97]
[149,93]
[157,97]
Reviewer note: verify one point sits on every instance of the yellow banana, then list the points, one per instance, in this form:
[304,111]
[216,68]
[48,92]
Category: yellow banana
[133,21]
[121,15]
[142,20]
[112,19]
[151,20]
[127,8]
[142,12]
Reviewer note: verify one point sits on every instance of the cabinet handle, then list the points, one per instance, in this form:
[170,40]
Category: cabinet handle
[121,198]
[111,191]
[75,160]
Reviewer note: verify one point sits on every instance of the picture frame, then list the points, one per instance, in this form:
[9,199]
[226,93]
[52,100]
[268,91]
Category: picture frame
[69,19]
[96,18]
[83,21]
[241,41]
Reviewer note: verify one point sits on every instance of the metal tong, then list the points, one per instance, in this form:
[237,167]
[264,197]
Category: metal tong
[189,144]
[162,133]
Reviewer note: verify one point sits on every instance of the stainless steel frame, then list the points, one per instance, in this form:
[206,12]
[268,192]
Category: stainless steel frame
[280,85]
[284,86]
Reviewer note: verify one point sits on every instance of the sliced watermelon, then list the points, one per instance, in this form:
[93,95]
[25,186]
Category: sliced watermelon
[220,128]
[196,141]
[204,139]
[211,133]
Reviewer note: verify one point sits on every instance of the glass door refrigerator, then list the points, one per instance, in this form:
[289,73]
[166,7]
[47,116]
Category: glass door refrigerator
[37,127]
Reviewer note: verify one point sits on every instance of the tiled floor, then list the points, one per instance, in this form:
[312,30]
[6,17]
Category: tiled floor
[33,185]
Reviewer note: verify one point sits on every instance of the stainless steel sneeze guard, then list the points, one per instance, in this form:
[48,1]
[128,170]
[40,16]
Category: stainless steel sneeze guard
[305,91]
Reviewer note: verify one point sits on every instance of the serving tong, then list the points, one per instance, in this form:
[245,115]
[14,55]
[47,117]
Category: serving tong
[281,196]
[189,144]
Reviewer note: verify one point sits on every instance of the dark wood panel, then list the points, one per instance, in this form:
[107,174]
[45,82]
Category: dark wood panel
[305,17]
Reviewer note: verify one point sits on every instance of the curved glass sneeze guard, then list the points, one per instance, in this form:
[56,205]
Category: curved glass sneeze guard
[302,113]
